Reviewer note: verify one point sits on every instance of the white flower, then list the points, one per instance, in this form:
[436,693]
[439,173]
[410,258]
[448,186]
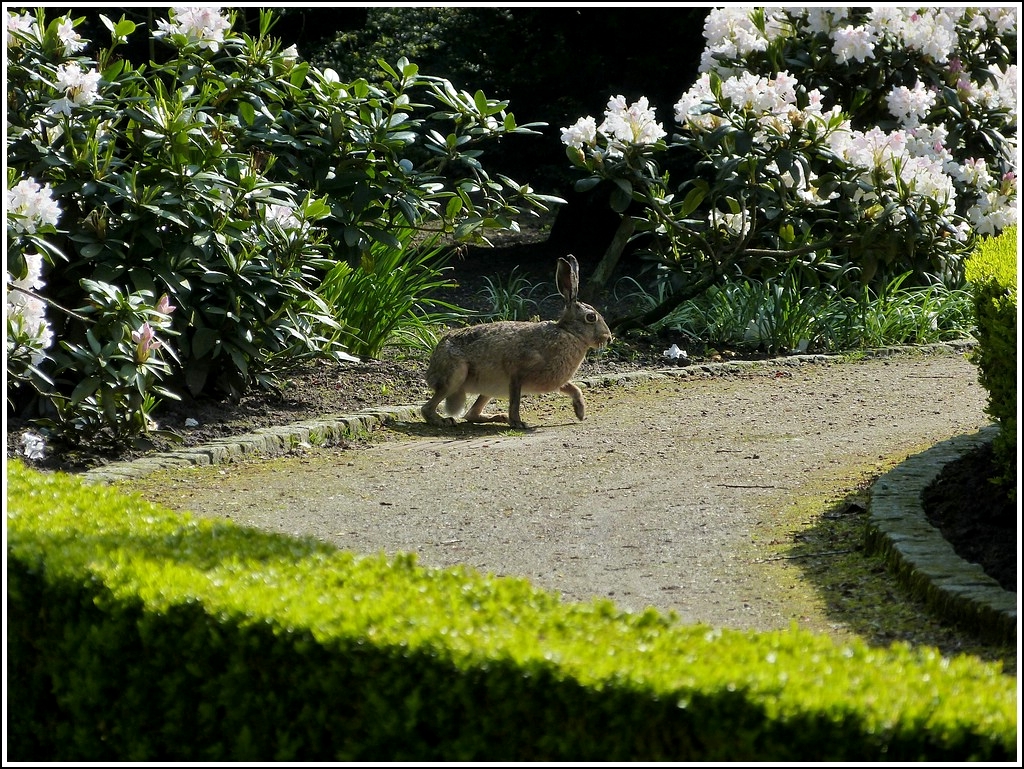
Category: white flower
[30,206]
[888,20]
[201,25]
[70,39]
[290,55]
[80,87]
[910,105]
[23,24]
[735,224]
[283,215]
[583,131]
[33,445]
[820,20]
[731,35]
[857,43]
[634,124]
[25,313]
[931,34]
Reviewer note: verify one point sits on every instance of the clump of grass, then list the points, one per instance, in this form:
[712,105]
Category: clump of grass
[388,299]
[784,315]
[514,297]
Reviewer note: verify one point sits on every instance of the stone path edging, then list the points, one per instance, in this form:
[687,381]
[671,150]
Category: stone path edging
[923,561]
[913,548]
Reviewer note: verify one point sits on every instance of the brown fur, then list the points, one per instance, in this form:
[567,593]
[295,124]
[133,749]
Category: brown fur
[507,358]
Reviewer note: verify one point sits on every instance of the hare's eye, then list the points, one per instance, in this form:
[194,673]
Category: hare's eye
[591,317]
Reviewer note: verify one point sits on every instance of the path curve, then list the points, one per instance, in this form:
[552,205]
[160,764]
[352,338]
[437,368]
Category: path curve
[668,495]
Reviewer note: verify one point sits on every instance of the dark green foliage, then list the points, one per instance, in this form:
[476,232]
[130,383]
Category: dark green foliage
[553,63]
[230,177]
[139,634]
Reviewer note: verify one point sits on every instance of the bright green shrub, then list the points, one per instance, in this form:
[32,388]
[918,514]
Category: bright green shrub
[136,633]
[992,273]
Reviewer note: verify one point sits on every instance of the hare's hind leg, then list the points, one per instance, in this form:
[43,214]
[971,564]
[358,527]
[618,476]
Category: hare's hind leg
[429,411]
[577,399]
[451,390]
[476,412]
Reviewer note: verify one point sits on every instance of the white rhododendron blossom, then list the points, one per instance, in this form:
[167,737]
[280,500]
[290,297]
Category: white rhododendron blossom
[70,39]
[283,215]
[80,87]
[910,105]
[30,206]
[23,24]
[931,140]
[889,152]
[1003,94]
[932,34]
[771,100]
[26,314]
[582,132]
[201,25]
[731,34]
[819,20]
[994,211]
[633,124]
[735,224]
[887,20]
[854,43]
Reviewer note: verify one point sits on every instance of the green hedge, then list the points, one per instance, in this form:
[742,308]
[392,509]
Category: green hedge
[992,273]
[136,633]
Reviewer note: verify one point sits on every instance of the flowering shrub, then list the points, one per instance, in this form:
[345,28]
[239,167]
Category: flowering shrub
[860,143]
[228,180]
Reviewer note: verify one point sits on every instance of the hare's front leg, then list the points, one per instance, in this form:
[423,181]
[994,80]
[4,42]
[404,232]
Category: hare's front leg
[577,399]
[515,393]
[476,412]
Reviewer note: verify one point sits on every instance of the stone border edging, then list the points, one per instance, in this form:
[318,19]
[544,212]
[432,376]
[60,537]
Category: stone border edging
[923,561]
[265,442]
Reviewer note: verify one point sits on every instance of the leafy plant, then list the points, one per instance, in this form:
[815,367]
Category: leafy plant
[233,178]
[882,139]
[386,297]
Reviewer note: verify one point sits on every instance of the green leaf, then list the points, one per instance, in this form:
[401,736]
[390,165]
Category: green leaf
[247,112]
[480,100]
[124,27]
[621,199]
[454,207]
[693,200]
[582,185]
[203,341]
[84,389]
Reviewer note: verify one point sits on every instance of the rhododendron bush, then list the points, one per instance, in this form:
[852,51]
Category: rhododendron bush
[169,225]
[851,145]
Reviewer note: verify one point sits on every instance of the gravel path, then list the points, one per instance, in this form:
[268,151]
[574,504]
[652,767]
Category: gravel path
[677,492]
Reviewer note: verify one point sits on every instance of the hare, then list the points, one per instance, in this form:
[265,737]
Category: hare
[507,358]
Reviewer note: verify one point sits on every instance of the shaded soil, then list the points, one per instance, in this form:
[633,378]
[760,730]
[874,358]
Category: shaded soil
[976,515]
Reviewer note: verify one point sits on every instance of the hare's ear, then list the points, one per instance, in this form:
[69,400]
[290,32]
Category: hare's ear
[567,278]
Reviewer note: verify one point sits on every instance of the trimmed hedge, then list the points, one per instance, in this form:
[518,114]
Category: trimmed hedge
[136,633]
[992,273]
